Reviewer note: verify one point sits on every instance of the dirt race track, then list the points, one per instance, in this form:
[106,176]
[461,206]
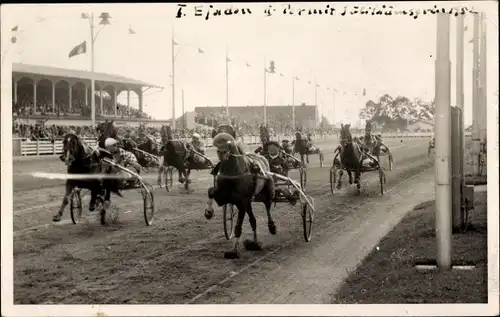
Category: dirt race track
[179,259]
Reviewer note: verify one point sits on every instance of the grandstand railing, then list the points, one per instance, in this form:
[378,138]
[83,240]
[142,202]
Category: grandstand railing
[23,147]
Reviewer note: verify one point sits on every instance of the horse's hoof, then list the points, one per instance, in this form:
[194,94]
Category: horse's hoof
[56,218]
[233,254]
[272,228]
[252,245]
[209,214]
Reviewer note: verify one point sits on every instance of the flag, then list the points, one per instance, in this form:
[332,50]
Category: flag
[130,30]
[281,74]
[85,16]
[471,41]
[200,51]
[79,49]
[328,88]
[248,65]
[364,92]
[14,29]
[228,59]
[317,85]
[174,42]
[13,39]
[466,28]
[309,81]
[296,78]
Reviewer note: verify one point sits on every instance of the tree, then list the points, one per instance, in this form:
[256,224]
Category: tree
[396,113]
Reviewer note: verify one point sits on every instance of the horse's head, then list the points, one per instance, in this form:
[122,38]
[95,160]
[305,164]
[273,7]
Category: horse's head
[227,128]
[298,135]
[73,149]
[345,134]
[225,145]
[108,129]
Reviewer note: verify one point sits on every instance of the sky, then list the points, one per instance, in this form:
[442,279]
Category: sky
[381,54]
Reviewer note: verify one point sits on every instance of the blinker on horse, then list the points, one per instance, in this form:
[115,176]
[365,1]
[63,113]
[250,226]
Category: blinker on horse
[239,182]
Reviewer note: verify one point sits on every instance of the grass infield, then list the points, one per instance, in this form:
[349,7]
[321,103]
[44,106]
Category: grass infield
[388,274]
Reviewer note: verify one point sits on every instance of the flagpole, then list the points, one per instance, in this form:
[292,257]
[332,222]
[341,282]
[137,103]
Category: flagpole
[183,115]
[227,84]
[92,81]
[293,103]
[265,84]
[173,80]
[482,81]
[334,108]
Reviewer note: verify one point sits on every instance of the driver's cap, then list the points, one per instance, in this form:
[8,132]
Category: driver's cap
[110,142]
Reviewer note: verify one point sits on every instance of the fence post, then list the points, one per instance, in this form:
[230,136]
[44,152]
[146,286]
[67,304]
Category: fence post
[37,147]
[54,148]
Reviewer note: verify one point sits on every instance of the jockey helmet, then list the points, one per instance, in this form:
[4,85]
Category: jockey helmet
[110,142]
[195,136]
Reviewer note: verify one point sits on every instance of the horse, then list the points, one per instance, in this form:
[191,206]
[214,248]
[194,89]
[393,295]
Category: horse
[182,156]
[106,130]
[150,146]
[301,146]
[82,159]
[240,180]
[350,157]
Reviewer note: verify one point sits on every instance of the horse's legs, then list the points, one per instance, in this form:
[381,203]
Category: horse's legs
[339,183]
[307,157]
[242,210]
[65,201]
[160,172]
[253,222]
[350,177]
[270,222]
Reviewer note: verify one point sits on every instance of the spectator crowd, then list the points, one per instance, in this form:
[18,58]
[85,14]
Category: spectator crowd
[24,107]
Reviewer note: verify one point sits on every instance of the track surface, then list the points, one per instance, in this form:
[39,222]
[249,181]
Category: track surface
[179,259]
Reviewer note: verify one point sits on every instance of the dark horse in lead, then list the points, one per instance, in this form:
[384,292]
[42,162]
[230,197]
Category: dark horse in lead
[241,179]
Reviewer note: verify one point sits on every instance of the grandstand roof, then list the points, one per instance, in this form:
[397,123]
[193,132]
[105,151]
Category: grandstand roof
[81,74]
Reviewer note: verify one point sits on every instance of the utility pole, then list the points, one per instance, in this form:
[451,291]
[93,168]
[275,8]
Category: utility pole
[265,93]
[458,144]
[475,93]
[482,81]
[443,143]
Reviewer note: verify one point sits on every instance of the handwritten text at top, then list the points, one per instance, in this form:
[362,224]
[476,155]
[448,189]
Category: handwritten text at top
[208,11]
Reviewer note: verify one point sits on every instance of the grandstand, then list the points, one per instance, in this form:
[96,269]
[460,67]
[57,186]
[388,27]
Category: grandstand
[62,96]
[250,117]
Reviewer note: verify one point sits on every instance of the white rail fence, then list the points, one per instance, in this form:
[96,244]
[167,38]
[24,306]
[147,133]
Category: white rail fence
[23,147]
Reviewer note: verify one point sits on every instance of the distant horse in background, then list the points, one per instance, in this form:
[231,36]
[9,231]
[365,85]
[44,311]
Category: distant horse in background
[373,144]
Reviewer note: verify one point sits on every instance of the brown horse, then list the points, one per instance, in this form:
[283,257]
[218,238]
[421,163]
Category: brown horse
[241,179]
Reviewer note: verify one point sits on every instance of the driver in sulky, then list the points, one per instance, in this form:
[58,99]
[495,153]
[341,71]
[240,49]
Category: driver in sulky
[278,164]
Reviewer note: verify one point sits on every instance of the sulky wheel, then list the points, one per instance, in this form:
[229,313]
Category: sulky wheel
[333,178]
[75,205]
[303,178]
[148,204]
[229,215]
[168,178]
[382,179]
[307,218]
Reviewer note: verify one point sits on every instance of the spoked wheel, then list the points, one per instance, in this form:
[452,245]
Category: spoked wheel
[229,215]
[303,178]
[307,218]
[168,178]
[333,178]
[382,178]
[75,206]
[148,204]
